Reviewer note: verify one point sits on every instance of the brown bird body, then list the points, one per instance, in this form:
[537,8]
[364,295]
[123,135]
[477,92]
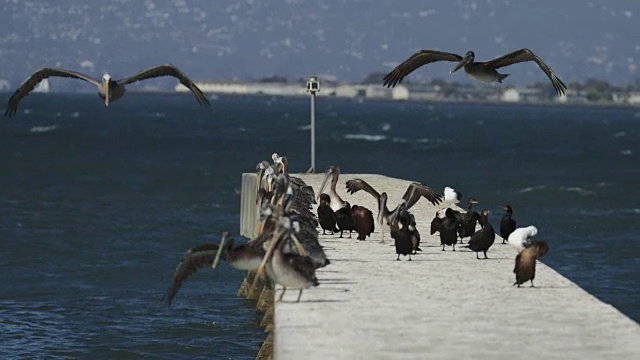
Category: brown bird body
[363,221]
[485,71]
[525,268]
[244,257]
[482,239]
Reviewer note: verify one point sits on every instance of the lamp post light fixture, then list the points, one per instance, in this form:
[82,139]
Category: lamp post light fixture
[313,86]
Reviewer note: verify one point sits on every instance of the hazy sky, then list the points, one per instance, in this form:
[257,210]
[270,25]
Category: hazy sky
[345,39]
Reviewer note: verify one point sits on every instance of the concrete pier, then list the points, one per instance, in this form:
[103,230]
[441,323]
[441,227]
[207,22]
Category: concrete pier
[441,305]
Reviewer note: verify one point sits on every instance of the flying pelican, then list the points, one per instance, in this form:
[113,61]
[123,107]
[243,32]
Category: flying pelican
[483,71]
[109,90]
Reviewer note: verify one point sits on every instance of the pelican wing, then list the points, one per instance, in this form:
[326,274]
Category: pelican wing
[416,190]
[195,259]
[35,79]
[167,70]
[416,60]
[524,55]
[355,185]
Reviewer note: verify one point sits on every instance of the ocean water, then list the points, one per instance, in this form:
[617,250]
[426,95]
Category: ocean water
[97,205]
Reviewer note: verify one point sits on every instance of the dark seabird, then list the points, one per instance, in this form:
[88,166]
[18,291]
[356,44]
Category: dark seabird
[507,224]
[468,220]
[363,221]
[326,216]
[482,239]
[109,90]
[525,268]
[483,71]
[435,223]
[345,220]
[448,228]
[404,237]
[409,221]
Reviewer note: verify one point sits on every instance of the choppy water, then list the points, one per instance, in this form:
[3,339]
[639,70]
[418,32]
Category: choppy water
[97,204]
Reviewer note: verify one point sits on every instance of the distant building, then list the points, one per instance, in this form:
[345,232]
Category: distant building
[634,98]
[573,96]
[520,95]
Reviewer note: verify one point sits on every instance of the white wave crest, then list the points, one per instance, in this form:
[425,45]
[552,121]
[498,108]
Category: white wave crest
[366,137]
[42,129]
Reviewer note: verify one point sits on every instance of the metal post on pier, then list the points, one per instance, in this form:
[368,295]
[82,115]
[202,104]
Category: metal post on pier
[313,86]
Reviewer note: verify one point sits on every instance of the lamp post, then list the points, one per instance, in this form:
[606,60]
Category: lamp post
[313,86]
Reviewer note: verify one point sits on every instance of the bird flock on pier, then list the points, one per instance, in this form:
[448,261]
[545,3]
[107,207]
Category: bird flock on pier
[285,249]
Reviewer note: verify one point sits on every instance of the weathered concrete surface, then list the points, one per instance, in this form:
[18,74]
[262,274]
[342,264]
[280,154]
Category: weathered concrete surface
[441,305]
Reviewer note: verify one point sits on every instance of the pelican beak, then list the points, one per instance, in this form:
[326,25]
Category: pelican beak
[324,183]
[106,92]
[279,233]
[381,204]
[463,62]
[225,235]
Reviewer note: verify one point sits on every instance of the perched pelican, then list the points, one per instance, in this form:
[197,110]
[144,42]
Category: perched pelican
[109,90]
[413,193]
[525,268]
[507,224]
[336,202]
[289,270]
[483,71]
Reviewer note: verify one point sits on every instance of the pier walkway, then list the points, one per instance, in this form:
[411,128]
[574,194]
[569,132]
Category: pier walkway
[441,305]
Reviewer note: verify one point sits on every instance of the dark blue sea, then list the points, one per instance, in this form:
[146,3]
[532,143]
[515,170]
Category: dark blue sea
[97,205]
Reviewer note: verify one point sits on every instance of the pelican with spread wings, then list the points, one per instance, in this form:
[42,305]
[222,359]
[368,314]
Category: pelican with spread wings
[414,192]
[484,71]
[109,90]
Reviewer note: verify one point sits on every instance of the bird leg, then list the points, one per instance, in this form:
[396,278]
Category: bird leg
[454,247]
[398,258]
[409,257]
[323,232]
[532,283]
[382,231]
[477,257]
[340,233]
[485,254]
[349,234]
[442,247]
[282,294]
[299,295]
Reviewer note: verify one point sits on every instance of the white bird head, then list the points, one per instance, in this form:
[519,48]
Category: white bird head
[106,77]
